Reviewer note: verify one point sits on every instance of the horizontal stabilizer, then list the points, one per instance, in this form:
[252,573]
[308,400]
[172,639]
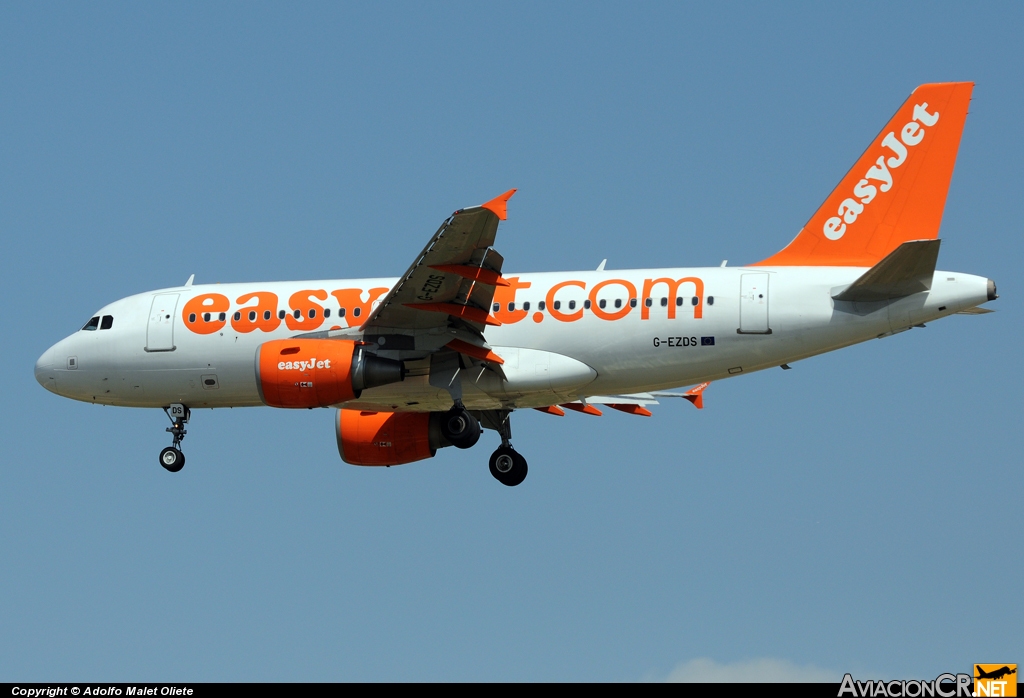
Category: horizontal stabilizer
[905,271]
[975,311]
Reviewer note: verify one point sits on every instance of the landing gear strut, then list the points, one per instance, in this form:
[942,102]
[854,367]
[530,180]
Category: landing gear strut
[171,457]
[506,464]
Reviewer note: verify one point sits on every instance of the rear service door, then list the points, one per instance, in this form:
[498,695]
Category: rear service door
[160,333]
[754,304]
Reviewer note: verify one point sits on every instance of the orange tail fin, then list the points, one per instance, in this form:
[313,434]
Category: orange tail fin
[895,192]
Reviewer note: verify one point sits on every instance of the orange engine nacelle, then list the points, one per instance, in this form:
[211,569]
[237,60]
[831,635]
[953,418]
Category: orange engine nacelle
[388,438]
[319,372]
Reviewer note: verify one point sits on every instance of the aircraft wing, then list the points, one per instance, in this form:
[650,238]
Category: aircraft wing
[445,296]
[632,403]
[452,281]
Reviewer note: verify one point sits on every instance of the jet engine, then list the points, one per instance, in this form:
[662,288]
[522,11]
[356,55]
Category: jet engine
[388,438]
[319,372]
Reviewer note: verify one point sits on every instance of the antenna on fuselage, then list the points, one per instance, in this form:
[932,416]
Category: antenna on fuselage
[189,282]
[600,267]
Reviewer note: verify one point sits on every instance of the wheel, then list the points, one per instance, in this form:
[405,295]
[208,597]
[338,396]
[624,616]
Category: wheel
[507,466]
[460,428]
[172,459]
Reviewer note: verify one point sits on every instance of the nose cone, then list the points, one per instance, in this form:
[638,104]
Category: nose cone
[45,373]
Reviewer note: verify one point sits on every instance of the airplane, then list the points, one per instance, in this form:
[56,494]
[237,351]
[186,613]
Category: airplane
[456,345]
[995,674]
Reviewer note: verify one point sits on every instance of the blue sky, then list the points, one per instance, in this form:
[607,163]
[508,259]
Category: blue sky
[853,514]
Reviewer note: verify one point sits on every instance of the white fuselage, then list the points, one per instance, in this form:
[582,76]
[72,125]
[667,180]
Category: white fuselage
[726,321]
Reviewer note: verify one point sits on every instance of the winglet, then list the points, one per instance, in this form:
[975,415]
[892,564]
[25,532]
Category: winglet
[696,395]
[499,205]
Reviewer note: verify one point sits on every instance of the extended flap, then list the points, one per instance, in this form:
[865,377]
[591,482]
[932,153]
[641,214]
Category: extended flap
[905,271]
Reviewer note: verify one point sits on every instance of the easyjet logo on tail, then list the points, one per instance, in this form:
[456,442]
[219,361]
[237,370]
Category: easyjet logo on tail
[894,192]
[881,172]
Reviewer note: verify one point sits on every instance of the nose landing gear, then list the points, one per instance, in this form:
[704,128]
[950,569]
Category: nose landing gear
[171,458]
[506,464]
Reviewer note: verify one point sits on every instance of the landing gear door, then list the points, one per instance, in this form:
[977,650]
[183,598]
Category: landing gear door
[754,304]
[160,332]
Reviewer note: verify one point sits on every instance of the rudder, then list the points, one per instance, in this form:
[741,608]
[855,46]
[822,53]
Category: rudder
[896,191]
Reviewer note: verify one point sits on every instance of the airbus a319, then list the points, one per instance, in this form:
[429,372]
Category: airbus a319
[455,345]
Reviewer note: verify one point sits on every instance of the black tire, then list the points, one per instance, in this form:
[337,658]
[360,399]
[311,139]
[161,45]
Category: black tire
[172,459]
[515,472]
[460,428]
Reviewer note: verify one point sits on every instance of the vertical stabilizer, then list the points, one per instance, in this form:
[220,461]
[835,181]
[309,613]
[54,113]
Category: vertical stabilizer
[897,190]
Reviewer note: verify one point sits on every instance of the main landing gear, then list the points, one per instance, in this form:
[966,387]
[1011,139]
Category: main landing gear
[460,427]
[462,430]
[506,464]
[171,457]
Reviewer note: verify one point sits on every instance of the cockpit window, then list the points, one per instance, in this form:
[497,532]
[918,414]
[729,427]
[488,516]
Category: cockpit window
[107,323]
[92,324]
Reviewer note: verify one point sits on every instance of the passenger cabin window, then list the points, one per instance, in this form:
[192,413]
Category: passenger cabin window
[648,302]
[238,316]
[540,305]
[632,302]
[223,317]
[618,303]
[298,314]
[526,305]
[572,305]
[679,300]
[586,304]
[497,307]
[92,324]
[695,300]
[191,318]
[664,302]
[312,313]
[107,322]
[341,312]
[558,305]
[252,316]
[266,314]
[206,317]
[280,315]
[356,312]
[511,306]
[327,312]
[711,300]
[601,303]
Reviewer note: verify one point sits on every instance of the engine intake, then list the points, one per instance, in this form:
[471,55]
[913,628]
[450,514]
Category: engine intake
[388,438]
[319,372]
